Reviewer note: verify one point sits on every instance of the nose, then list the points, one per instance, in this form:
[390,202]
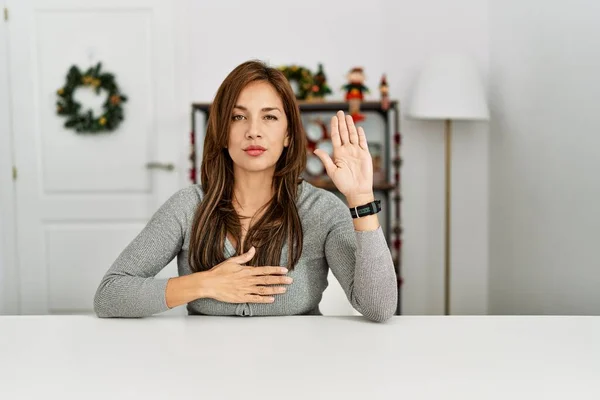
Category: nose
[253,131]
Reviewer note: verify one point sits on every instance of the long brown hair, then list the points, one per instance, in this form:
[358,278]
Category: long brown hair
[216,216]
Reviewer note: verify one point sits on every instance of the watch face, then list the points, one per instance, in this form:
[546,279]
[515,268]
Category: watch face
[314,131]
[326,146]
[314,166]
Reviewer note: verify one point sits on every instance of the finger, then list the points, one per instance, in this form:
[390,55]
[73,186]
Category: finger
[326,160]
[272,280]
[244,258]
[268,290]
[362,139]
[352,133]
[335,132]
[259,299]
[269,271]
[343,127]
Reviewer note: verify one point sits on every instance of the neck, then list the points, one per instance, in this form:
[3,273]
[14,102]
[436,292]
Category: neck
[252,190]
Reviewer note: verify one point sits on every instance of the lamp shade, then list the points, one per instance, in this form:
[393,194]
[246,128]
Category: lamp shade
[449,87]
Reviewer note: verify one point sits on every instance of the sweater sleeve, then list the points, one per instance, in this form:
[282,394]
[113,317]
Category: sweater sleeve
[361,261]
[129,288]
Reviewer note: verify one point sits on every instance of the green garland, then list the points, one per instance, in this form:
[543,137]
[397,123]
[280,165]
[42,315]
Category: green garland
[86,122]
[302,76]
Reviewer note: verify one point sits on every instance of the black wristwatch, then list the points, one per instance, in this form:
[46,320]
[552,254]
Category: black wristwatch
[367,209]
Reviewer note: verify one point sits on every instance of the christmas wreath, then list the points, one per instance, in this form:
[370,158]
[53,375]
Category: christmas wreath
[302,76]
[86,121]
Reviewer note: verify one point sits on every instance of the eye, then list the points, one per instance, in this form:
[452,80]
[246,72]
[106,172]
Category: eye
[237,117]
[271,117]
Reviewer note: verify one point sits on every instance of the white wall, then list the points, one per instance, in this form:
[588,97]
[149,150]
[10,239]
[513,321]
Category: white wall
[542,60]
[382,36]
[395,38]
[8,299]
[545,157]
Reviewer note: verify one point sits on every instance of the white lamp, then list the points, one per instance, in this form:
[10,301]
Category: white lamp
[449,88]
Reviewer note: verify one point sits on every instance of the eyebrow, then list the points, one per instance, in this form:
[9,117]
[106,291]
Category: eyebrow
[265,109]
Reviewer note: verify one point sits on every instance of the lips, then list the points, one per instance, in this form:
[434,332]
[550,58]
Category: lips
[254,147]
[254,150]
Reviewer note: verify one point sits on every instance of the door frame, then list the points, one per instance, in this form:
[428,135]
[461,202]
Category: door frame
[9,276]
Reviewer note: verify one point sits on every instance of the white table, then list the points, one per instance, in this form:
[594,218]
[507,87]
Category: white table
[82,357]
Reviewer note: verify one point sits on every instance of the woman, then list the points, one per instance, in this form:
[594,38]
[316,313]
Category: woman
[253,238]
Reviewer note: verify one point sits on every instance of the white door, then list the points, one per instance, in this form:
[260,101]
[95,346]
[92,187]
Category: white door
[80,199]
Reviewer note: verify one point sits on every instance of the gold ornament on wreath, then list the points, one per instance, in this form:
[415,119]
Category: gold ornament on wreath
[86,121]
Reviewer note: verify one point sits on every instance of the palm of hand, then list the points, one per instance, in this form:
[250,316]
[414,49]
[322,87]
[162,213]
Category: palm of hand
[351,169]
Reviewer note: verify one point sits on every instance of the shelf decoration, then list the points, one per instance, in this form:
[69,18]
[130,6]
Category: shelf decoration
[355,90]
[317,138]
[300,78]
[385,93]
[320,87]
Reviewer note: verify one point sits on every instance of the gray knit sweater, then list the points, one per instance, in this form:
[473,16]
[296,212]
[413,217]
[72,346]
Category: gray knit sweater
[360,261]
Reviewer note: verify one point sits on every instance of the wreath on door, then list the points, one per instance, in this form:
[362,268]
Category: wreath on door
[86,121]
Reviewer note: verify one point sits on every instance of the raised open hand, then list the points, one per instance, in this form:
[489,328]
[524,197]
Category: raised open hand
[351,169]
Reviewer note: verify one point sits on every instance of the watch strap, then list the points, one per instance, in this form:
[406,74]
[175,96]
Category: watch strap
[366,209]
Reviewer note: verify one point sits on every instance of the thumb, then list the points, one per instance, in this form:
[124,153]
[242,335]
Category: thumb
[326,160]
[247,256]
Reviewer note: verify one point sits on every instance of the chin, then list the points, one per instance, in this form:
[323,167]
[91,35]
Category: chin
[257,167]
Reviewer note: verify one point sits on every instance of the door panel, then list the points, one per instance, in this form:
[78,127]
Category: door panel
[81,198]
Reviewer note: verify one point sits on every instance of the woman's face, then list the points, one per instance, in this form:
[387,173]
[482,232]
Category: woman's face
[258,131]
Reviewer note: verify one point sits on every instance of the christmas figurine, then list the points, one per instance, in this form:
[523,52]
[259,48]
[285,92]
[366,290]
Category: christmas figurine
[355,90]
[320,87]
[384,90]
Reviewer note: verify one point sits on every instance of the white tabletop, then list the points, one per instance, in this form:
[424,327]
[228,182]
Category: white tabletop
[82,357]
